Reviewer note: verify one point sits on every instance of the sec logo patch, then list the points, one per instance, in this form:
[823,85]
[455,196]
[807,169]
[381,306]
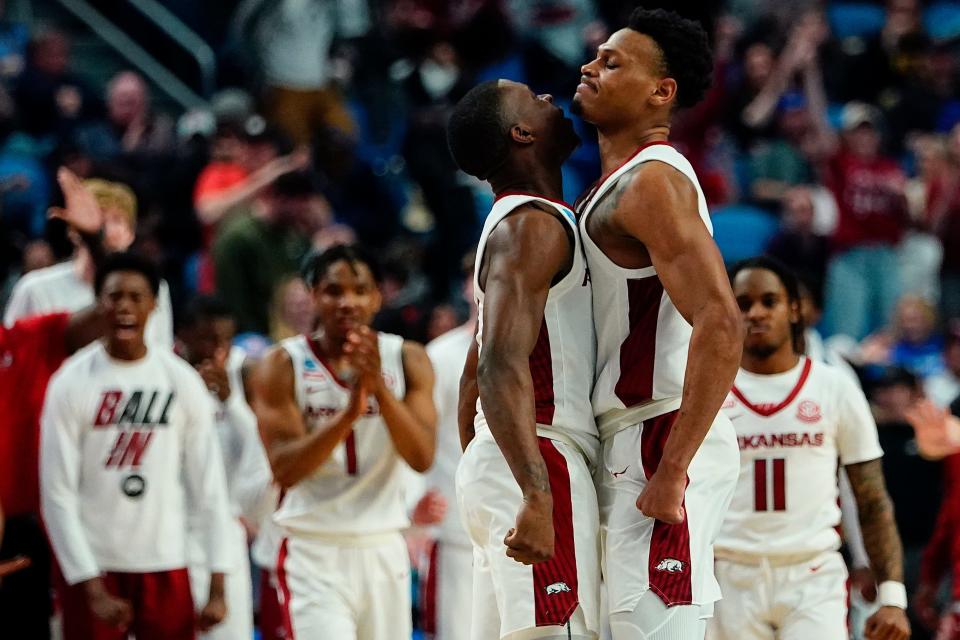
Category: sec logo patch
[808,411]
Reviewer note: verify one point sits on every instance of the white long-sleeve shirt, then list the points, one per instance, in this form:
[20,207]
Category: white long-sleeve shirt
[127,449]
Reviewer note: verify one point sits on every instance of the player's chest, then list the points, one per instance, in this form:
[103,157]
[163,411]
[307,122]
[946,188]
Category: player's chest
[804,426]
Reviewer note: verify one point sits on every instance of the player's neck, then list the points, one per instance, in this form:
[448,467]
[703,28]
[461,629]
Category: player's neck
[330,345]
[534,180]
[126,350]
[781,361]
[618,145]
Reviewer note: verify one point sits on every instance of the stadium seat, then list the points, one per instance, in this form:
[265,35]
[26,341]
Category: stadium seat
[742,231]
[942,20]
[850,19]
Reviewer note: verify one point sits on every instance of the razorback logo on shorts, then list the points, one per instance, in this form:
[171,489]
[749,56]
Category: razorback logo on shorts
[557,587]
[808,411]
[670,565]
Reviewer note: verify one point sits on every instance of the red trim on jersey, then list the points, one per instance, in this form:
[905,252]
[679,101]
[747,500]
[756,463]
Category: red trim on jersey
[318,353]
[767,411]
[534,195]
[639,348]
[351,445]
[428,595]
[541,370]
[284,590]
[672,582]
[760,484]
[556,606]
[592,189]
[779,484]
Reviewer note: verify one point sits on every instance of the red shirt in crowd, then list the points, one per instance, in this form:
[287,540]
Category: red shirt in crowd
[870,199]
[942,553]
[215,178]
[30,352]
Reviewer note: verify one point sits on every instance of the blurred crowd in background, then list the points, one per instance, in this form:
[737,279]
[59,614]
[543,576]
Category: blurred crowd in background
[830,139]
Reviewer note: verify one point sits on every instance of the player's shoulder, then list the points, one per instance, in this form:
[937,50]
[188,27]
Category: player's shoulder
[831,378]
[82,365]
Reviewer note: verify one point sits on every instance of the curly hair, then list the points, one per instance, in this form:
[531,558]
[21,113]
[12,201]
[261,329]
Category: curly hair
[476,132]
[685,50]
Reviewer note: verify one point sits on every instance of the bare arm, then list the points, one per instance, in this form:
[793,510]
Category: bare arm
[211,208]
[884,548]
[293,453]
[412,422]
[880,535]
[666,220]
[467,403]
[523,256]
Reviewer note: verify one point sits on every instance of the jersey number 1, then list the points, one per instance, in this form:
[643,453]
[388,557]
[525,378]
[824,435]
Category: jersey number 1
[770,473]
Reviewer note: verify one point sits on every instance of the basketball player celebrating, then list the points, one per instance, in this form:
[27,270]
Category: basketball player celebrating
[524,485]
[777,559]
[205,336]
[668,333]
[341,412]
[127,439]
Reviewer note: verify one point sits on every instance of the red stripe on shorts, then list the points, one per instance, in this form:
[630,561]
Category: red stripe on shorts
[428,611]
[284,590]
[555,586]
[669,557]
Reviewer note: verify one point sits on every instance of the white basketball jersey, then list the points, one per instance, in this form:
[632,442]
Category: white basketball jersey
[360,487]
[792,428]
[562,359]
[448,353]
[642,340]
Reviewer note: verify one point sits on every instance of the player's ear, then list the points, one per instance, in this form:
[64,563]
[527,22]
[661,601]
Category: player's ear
[377,300]
[665,92]
[522,133]
[795,312]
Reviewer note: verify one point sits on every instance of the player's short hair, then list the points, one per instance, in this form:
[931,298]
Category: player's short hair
[317,264]
[477,131]
[790,283]
[685,50]
[203,307]
[127,261]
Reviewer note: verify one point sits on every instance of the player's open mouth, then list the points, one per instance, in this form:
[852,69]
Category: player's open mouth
[125,327]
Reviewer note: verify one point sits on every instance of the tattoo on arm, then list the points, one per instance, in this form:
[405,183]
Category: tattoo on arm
[877,522]
[538,475]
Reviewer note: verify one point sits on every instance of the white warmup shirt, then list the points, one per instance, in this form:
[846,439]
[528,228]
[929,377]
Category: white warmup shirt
[249,478]
[792,428]
[127,449]
[59,288]
[448,353]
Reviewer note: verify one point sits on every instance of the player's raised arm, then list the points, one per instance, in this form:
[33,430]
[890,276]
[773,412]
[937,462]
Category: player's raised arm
[293,453]
[524,255]
[667,221]
[469,393]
